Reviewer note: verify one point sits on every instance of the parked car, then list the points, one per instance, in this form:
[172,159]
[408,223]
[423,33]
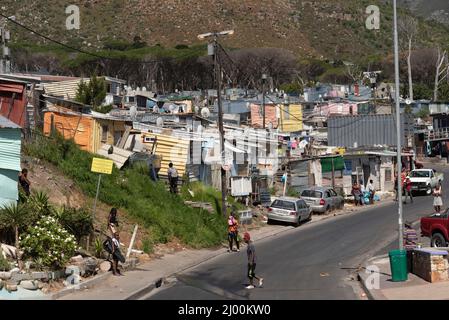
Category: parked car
[436,227]
[425,180]
[322,199]
[289,209]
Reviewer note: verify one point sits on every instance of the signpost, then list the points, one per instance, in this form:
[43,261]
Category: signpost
[101,166]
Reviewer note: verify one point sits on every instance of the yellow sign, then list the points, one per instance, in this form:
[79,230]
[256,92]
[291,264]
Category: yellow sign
[102,166]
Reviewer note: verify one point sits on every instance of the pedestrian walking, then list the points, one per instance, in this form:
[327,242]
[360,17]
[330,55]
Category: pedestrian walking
[172,178]
[437,200]
[24,182]
[233,232]
[362,192]
[371,191]
[408,189]
[113,221]
[396,191]
[251,254]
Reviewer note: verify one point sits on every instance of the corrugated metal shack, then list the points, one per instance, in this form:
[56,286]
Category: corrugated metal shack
[369,130]
[10,143]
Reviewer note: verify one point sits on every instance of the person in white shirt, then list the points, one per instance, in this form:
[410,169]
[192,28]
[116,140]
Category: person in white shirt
[172,178]
[371,190]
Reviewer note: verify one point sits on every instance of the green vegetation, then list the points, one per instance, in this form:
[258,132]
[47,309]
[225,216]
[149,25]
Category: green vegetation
[163,214]
[49,241]
[203,193]
[92,93]
[4,264]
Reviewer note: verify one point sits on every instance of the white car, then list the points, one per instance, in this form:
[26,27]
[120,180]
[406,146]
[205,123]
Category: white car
[288,209]
[425,180]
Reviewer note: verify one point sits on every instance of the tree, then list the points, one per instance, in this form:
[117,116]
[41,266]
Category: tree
[14,216]
[92,93]
[408,26]
[441,72]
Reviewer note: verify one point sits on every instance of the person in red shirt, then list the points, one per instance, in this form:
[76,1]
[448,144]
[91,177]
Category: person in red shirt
[233,226]
[408,189]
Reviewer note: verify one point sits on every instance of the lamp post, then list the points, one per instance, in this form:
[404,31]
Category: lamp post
[398,124]
[215,36]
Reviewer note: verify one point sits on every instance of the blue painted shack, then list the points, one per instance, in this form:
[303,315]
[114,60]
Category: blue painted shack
[10,144]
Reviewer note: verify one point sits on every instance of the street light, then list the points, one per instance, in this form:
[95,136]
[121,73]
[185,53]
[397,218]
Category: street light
[398,124]
[215,36]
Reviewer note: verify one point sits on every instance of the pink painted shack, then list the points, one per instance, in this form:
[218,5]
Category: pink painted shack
[270,115]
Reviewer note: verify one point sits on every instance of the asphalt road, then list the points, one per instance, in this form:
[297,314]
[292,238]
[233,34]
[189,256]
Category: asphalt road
[313,261]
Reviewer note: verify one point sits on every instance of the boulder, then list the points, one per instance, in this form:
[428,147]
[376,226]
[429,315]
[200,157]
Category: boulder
[5,275]
[11,287]
[90,265]
[77,259]
[29,284]
[105,266]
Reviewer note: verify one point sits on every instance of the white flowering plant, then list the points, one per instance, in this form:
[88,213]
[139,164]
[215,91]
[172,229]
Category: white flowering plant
[48,241]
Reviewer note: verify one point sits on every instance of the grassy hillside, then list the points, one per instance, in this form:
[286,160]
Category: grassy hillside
[164,215]
[314,28]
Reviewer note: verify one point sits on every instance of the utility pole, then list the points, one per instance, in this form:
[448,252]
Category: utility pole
[5,36]
[217,67]
[264,78]
[398,124]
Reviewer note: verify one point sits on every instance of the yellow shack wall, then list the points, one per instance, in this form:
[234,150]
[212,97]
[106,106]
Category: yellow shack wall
[291,122]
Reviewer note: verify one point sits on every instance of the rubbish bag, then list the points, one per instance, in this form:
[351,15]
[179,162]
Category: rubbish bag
[119,256]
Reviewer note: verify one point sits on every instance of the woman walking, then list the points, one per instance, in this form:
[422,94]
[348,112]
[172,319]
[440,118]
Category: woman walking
[437,200]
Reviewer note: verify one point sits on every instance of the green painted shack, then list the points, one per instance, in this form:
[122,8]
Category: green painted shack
[10,143]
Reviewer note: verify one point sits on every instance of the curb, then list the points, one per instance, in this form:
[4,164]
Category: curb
[89,283]
[84,285]
[371,294]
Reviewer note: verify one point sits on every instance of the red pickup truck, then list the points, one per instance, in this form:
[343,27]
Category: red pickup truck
[436,227]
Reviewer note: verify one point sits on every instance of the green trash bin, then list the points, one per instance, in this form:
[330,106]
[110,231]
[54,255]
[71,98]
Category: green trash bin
[398,265]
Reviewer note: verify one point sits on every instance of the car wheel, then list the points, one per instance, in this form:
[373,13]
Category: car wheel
[310,216]
[341,206]
[297,223]
[269,221]
[328,208]
[438,240]
[429,190]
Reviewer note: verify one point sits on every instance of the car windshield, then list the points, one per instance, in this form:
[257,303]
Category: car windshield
[311,194]
[281,204]
[419,174]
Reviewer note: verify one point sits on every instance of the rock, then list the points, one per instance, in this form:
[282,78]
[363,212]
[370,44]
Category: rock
[40,284]
[14,270]
[105,266]
[9,251]
[5,275]
[90,265]
[11,287]
[76,259]
[39,275]
[29,284]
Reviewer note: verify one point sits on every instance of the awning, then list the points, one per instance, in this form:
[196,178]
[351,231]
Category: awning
[17,88]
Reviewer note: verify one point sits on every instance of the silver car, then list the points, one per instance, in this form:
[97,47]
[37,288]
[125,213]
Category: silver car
[289,209]
[322,199]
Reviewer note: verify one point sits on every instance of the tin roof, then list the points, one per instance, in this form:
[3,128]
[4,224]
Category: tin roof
[6,123]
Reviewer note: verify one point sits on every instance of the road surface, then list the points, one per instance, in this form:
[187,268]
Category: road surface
[313,261]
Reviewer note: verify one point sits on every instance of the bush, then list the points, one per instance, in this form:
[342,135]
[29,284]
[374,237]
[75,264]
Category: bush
[4,264]
[48,241]
[147,246]
[78,222]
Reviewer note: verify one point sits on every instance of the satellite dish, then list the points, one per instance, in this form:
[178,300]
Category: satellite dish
[205,113]
[200,129]
[155,109]
[137,89]
[144,89]
[408,102]
[159,122]
[270,126]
